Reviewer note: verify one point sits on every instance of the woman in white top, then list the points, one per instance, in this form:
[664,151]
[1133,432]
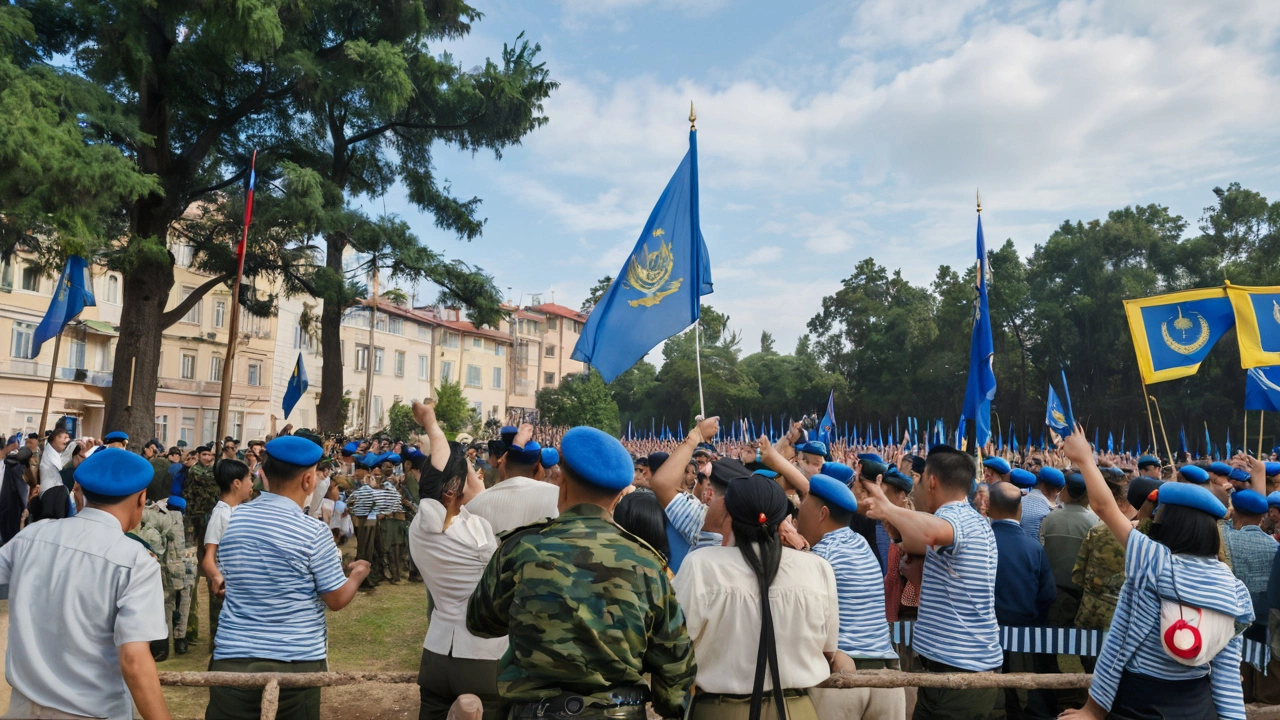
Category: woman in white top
[736,598]
[451,546]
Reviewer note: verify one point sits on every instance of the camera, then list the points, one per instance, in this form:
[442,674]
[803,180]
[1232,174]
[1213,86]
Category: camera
[809,422]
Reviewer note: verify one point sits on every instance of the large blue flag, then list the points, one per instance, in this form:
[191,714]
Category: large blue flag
[1261,392]
[1173,333]
[297,386]
[658,292]
[981,389]
[827,427]
[73,294]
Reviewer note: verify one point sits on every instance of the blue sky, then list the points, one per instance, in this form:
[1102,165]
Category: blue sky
[832,132]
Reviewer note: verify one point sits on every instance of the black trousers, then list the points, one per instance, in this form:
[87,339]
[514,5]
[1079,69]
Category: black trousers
[1142,697]
[246,703]
[442,678]
[54,503]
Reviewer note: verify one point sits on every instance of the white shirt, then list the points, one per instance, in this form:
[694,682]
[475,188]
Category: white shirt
[451,562]
[720,597]
[78,589]
[218,519]
[51,462]
[516,502]
[317,496]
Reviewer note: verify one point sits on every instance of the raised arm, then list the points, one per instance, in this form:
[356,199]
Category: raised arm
[474,486]
[920,530]
[1101,501]
[1257,470]
[667,480]
[789,474]
[425,414]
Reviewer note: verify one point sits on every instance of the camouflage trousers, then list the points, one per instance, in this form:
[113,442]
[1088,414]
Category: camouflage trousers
[392,535]
[368,547]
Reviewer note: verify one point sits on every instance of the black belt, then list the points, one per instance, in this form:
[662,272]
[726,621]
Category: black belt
[938,667]
[768,695]
[572,705]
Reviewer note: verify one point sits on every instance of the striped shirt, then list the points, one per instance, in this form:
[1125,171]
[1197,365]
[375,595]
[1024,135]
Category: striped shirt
[685,517]
[1152,572]
[388,500]
[277,563]
[1252,553]
[860,589]
[957,620]
[1034,507]
[362,501]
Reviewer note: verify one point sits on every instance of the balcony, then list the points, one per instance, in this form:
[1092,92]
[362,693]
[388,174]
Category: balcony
[523,387]
[33,369]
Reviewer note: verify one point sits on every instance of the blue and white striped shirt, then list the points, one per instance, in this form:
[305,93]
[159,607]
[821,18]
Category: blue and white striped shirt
[277,563]
[388,500]
[362,501]
[957,621]
[685,518]
[860,590]
[1034,507]
[1152,572]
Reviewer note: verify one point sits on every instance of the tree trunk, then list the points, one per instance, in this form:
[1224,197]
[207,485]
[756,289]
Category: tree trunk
[329,409]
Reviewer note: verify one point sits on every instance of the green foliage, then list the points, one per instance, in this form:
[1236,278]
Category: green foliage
[453,411]
[766,344]
[596,292]
[581,399]
[400,423]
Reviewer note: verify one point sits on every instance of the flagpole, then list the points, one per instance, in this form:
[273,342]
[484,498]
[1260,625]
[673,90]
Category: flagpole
[1150,422]
[697,324]
[368,365]
[233,330]
[1261,415]
[53,373]
[1167,447]
[1245,447]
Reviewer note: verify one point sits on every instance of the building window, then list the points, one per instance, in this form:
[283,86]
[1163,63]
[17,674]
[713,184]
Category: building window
[396,326]
[21,345]
[473,376]
[208,425]
[424,332]
[499,349]
[113,289]
[31,278]
[424,367]
[551,323]
[182,255]
[377,361]
[450,339]
[477,343]
[162,429]
[255,374]
[549,378]
[446,371]
[399,363]
[550,351]
[377,410]
[382,323]
[219,313]
[104,356]
[77,355]
[236,428]
[187,433]
[6,276]
[193,315]
[575,327]
[215,369]
[479,406]
[188,366]
[362,358]
[497,378]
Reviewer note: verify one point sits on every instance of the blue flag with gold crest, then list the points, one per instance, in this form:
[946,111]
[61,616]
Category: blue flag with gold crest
[297,386]
[981,388]
[1055,416]
[1173,333]
[658,292]
[1257,312]
[1261,392]
[72,294]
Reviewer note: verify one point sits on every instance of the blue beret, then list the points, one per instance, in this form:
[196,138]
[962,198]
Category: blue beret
[1249,501]
[1238,475]
[530,454]
[1191,496]
[997,464]
[14,440]
[895,478]
[1219,468]
[839,471]
[177,503]
[295,450]
[1273,500]
[392,458]
[813,447]
[597,458]
[116,436]
[1075,482]
[1147,461]
[550,457]
[413,453]
[1051,476]
[1022,478]
[350,448]
[508,433]
[834,492]
[1194,473]
[1273,468]
[764,472]
[114,472]
[871,457]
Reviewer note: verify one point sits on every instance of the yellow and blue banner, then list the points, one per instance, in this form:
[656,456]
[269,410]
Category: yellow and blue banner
[1257,312]
[1173,333]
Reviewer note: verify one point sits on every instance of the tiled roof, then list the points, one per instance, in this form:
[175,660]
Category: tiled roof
[559,310]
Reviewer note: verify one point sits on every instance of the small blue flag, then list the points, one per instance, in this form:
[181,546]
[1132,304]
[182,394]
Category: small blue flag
[1261,391]
[1055,416]
[981,389]
[1228,455]
[73,294]
[1111,443]
[1208,444]
[826,428]
[1182,439]
[297,386]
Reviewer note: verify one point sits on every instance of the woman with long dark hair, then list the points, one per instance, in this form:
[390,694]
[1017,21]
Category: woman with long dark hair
[738,600]
[1173,651]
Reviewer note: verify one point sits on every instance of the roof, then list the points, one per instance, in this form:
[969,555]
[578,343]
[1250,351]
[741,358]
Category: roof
[559,310]
[467,328]
[99,326]
[525,314]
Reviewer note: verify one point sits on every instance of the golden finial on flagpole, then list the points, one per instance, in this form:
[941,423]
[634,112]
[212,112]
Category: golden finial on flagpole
[979,201]
[693,117]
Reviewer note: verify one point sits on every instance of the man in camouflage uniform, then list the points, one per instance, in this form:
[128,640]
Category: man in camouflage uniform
[185,618]
[161,530]
[202,494]
[587,607]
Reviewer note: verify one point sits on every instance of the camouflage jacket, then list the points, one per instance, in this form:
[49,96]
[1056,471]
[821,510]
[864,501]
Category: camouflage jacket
[162,531]
[1099,571]
[587,608]
[201,495]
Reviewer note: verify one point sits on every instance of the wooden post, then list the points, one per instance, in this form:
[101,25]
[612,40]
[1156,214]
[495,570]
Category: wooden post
[228,362]
[270,700]
[1260,415]
[53,373]
[368,365]
[1150,422]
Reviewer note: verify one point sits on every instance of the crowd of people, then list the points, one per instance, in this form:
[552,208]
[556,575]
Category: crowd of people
[569,574]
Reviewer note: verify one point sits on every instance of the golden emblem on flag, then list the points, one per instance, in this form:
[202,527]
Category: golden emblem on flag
[1059,418]
[1183,325]
[647,272]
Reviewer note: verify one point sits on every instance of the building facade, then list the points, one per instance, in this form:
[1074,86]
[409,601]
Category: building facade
[560,334]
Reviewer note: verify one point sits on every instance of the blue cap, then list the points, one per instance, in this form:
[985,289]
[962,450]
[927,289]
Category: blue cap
[550,457]
[116,436]
[1194,474]
[765,472]
[530,454]
[1147,461]
[1192,496]
[295,450]
[350,448]
[997,464]
[392,458]
[597,458]
[871,457]
[1051,476]
[1273,500]
[114,472]
[1249,501]
[14,440]
[1022,478]
[177,503]
[1273,468]
[1075,482]
[1219,468]
[895,478]
[839,471]
[833,491]
[813,447]
[413,453]
[508,433]
[1238,475]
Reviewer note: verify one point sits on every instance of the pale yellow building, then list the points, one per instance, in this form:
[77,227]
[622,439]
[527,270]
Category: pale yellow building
[403,368]
[560,335]
[526,328]
[478,358]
